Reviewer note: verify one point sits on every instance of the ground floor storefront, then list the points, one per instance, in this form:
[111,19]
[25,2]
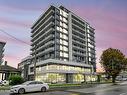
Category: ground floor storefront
[64,78]
[57,73]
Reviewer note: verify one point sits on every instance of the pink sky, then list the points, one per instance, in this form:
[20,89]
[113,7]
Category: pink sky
[108,17]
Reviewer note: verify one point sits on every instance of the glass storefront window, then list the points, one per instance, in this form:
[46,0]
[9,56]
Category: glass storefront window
[78,78]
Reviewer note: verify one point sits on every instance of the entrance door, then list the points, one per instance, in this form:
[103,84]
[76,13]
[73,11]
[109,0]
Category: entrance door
[69,78]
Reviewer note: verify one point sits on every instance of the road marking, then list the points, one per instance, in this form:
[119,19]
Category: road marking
[123,93]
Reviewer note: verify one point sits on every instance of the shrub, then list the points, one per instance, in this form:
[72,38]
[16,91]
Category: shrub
[15,79]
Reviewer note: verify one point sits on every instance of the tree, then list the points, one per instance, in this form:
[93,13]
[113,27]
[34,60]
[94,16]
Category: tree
[15,79]
[113,61]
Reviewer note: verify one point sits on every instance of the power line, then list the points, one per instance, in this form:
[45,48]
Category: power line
[14,37]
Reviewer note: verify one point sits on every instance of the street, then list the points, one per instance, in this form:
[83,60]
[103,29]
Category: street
[102,89]
[46,93]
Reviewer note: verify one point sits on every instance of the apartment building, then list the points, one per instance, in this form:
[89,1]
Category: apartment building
[63,47]
[2,44]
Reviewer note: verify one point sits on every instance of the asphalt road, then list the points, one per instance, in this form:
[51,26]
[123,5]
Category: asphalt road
[120,89]
[45,93]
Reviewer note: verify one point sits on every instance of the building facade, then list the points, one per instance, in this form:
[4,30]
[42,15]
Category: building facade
[23,66]
[63,47]
[2,44]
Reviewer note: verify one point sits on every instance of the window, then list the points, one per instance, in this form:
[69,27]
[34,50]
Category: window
[61,53]
[58,28]
[61,24]
[61,42]
[65,31]
[88,40]
[61,36]
[65,26]
[31,69]
[65,42]
[89,54]
[57,40]
[32,83]
[61,12]
[65,54]
[39,82]
[65,36]
[61,48]
[89,35]
[65,14]
[90,45]
[61,18]
[61,29]
[89,49]
[89,59]
[65,48]
[65,20]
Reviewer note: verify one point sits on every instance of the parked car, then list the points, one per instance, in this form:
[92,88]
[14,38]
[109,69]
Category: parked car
[121,79]
[29,86]
[4,82]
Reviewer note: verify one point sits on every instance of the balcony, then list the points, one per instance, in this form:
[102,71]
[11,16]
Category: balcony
[41,20]
[42,36]
[47,23]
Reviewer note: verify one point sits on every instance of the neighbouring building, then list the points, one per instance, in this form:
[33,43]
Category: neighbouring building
[23,66]
[2,44]
[6,71]
[63,46]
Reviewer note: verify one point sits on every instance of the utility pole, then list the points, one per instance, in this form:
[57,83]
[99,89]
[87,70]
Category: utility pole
[91,71]
[35,61]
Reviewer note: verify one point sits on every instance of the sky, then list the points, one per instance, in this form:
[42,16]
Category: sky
[108,17]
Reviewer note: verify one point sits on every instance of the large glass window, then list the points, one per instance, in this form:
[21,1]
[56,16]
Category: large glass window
[78,78]
[51,77]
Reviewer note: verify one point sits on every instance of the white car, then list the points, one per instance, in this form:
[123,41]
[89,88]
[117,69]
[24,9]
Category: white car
[29,86]
[4,82]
